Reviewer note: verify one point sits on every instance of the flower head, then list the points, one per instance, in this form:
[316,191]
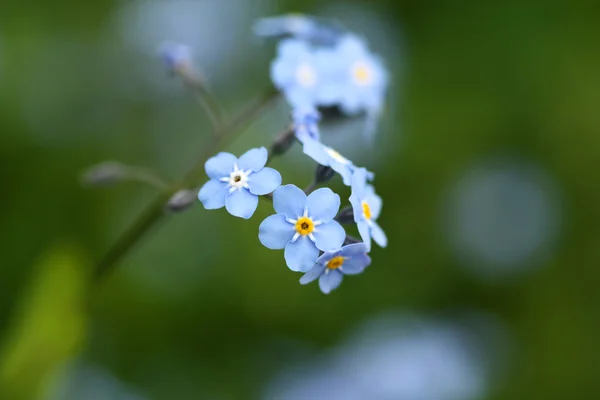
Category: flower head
[236,183]
[302,226]
[299,26]
[352,77]
[305,123]
[297,72]
[176,56]
[331,267]
[366,205]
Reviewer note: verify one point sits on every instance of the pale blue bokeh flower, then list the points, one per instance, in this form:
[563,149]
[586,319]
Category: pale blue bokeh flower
[236,183]
[305,123]
[331,267]
[296,71]
[366,205]
[303,225]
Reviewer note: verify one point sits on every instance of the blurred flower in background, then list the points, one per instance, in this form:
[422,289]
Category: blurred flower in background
[401,357]
[502,217]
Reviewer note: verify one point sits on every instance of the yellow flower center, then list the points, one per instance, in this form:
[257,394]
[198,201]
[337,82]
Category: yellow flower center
[237,178]
[306,75]
[305,226]
[361,73]
[336,156]
[366,210]
[335,262]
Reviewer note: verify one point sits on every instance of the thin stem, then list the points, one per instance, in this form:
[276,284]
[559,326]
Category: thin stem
[310,188]
[206,100]
[144,175]
[155,210]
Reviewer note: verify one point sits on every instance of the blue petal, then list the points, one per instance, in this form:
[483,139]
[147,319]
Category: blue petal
[329,236]
[330,281]
[313,274]
[275,232]
[378,234]
[354,249]
[356,265]
[374,201]
[264,181]
[345,170]
[289,200]
[241,203]
[220,166]
[316,151]
[253,159]
[356,208]
[359,183]
[365,233]
[300,256]
[213,193]
[323,204]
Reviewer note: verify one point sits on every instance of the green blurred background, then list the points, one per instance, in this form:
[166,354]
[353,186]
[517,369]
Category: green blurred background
[486,159]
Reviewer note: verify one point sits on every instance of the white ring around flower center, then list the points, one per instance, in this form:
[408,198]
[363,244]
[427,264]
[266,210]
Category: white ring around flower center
[336,156]
[237,179]
[306,75]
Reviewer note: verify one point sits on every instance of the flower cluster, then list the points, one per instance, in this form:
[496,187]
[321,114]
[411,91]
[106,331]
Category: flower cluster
[316,66]
[319,66]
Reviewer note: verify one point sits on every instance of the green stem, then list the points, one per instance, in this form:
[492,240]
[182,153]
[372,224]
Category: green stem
[206,100]
[155,210]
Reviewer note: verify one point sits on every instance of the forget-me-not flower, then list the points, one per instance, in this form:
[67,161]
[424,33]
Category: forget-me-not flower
[305,123]
[302,226]
[176,56]
[357,78]
[236,183]
[296,71]
[299,26]
[366,205]
[331,267]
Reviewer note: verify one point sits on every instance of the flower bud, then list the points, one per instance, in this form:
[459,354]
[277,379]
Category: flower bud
[323,173]
[104,174]
[181,200]
[345,216]
[176,57]
[283,142]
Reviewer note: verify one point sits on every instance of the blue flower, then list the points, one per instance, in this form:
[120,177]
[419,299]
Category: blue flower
[331,267]
[299,26]
[328,157]
[176,56]
[236,183]
[296,72]
[357,78]
[305,123]
[302,226]
[366,205]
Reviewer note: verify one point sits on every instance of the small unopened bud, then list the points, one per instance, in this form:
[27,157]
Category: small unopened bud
[323,173]
[345,216]
[182,200]
[104,174]
[176,57]
[283,142]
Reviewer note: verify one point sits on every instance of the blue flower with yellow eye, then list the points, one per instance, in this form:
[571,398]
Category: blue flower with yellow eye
[300,26]
[236,183]
[305,123]
[357,78]
[303,225]
[366,206]
[331,267]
